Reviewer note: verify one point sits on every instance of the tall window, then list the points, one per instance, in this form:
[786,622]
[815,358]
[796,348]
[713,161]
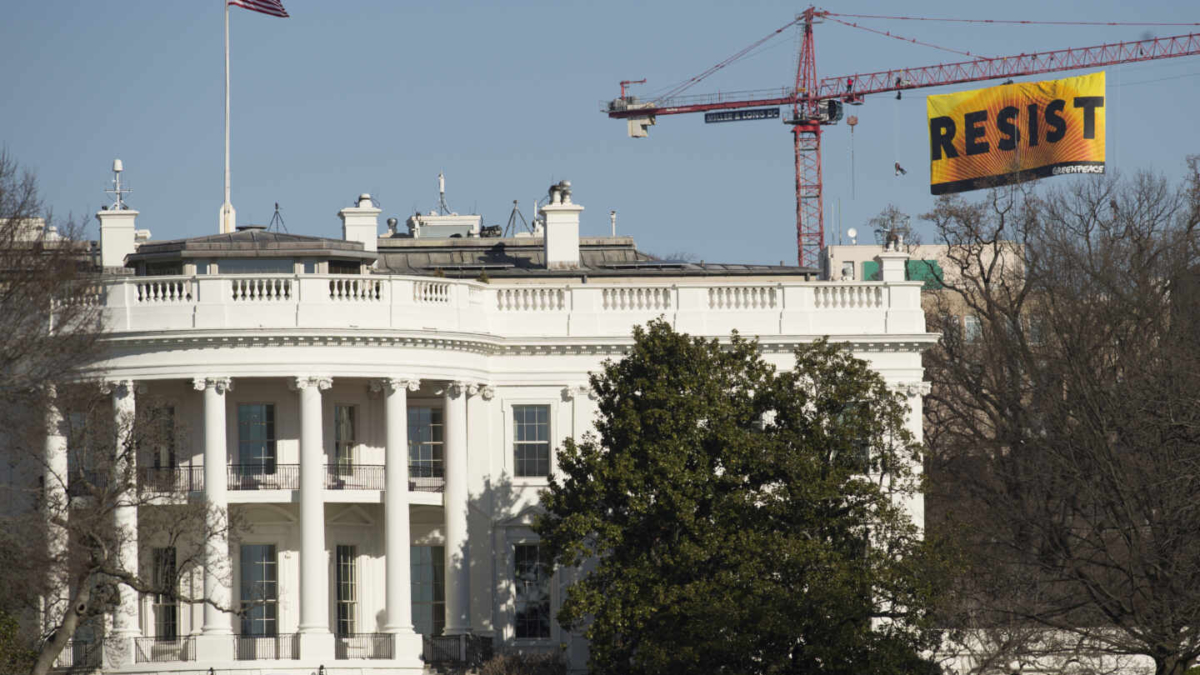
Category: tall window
[972,330]
[425,452]
[260,590]
[860,448]
[343,438]
[428,574]
[256,437]
[531,576]
[347,593]
[531,440]
[166,599]
[162,428]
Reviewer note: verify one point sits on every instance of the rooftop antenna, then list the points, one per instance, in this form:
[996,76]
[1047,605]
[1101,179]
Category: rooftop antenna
[612,216]
[443,208]
[117,190]
[277,224]
[539,220]
[511,228]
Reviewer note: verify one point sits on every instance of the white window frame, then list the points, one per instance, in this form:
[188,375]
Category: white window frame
[346,468]
[354,585]
[279,601]
[972,329]
[159,602]
[177,437]
[433,404]
[237,435]
[518,536]
[510,438]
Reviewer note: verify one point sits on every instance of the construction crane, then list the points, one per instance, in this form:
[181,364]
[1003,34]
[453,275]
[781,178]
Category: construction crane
[817,102]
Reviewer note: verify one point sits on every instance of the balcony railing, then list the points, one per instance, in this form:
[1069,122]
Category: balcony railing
[172,479]
[190,478]
[157,650]
[81,483]
[264,647]
[365,646]
[470,651]
[264,476]
[426,484]
[80,656]
[708,306]
[348,476]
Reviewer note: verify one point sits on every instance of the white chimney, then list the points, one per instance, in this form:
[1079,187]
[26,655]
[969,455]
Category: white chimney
[361,223]
[562,228]
[893,261]
[117,236]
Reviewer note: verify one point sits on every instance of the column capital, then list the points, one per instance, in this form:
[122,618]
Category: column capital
[487,391]
[121,388]
[318,382]
[395,384]
[456,388]
[569,393]
[221,384]
[912,388]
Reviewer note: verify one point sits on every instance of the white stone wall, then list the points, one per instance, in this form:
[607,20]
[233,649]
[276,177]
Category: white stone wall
[508,343]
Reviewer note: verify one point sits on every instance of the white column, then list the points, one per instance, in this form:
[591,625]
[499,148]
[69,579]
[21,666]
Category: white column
[916,393]
[125,515]
[458,558]
[395,505]
[480,442]
[55,507]
[581,416]
[218,572]
[314,567]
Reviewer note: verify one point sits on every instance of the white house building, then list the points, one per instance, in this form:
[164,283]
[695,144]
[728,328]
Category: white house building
[382,410]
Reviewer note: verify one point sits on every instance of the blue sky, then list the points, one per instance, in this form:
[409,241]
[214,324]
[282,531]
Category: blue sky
[379,96]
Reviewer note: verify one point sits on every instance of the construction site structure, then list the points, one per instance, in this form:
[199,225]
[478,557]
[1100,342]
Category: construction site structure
[817,102]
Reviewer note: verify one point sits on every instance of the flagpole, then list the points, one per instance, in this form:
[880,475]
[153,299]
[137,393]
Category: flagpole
[227,212]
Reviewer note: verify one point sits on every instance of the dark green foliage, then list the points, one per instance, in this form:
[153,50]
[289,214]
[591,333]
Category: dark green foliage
[727,519]
[15,654]
[525,664]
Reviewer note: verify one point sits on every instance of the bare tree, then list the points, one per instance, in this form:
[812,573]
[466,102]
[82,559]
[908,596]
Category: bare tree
[69,457]
[66,557]
[48,298]
[1064,422]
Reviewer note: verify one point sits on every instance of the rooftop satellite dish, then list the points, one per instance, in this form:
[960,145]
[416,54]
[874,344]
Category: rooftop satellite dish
[853,234]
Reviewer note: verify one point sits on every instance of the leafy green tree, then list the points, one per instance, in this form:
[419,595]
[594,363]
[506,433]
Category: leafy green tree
[15,654]
[738,519]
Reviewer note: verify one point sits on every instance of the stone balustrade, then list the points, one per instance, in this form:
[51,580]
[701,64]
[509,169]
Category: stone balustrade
[510,309]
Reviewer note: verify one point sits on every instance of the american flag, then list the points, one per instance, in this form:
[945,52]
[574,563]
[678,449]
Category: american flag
[272,7]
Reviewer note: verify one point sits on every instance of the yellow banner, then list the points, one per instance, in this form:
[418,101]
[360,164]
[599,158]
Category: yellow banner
[1016,132]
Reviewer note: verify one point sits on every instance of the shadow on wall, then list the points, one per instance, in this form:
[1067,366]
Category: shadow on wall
[497,517]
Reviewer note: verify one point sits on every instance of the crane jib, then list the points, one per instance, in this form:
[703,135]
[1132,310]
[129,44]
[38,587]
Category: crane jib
[809,94]
[742,115]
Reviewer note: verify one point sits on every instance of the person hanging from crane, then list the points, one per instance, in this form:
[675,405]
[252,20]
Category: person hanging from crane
[900,170]
[850,85]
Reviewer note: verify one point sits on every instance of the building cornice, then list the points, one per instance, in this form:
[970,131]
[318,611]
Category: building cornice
[477,344]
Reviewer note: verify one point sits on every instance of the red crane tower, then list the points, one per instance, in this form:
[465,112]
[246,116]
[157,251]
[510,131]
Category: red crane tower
[818,102]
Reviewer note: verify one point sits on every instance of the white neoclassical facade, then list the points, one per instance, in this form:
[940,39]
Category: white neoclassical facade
[381,410]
